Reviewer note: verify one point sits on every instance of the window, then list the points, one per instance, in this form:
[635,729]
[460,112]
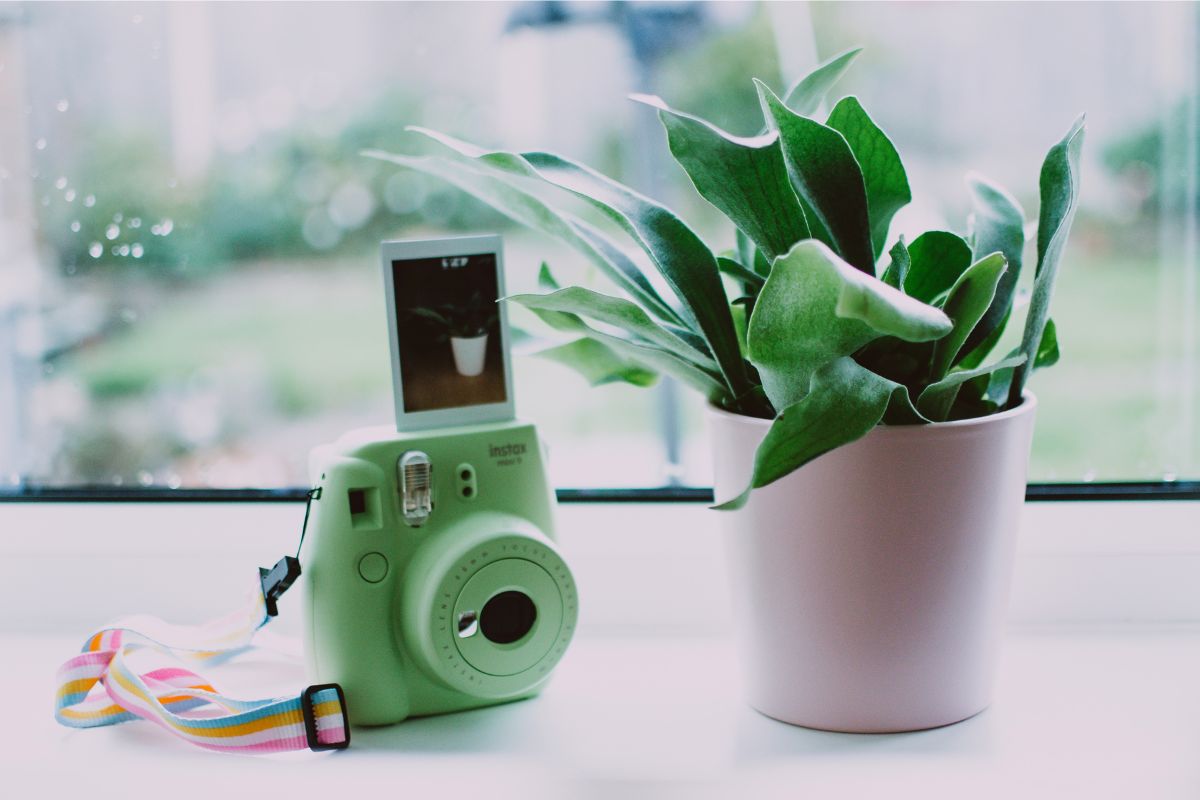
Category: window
[189,288]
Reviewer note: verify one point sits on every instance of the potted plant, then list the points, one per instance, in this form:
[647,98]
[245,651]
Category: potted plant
[466,326]
[870,438]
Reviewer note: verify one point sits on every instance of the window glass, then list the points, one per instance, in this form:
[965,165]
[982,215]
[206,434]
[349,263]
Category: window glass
[190,291]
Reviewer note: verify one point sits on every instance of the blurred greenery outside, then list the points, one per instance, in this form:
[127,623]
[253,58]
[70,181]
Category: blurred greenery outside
[258,289]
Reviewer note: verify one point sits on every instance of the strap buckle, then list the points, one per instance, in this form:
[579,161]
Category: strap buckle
[310,718]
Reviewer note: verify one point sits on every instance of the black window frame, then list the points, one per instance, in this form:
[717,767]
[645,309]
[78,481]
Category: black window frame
[1034,492]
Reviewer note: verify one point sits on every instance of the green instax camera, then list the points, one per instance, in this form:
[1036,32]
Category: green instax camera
[433,581]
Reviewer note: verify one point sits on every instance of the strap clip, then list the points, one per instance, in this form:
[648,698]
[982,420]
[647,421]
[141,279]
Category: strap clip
[277,580]
[310,718]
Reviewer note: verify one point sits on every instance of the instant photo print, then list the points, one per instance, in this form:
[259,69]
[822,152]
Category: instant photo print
[448,333]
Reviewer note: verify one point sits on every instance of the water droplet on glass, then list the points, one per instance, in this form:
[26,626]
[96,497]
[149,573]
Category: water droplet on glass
[1170,477]
[90,200]
[112,232]
[1089,476]
[117,480]
[117,217]
[137,251]
[165,227]
[123,250]
[40,144]
[174,481]
[75,226]
[45,201]
[129,315]
[145,478]
[60,184]
[137,19]
[71,269]
[171,184]
[69,195]
[95,250]
[136,222]
[47,369]
[63,105]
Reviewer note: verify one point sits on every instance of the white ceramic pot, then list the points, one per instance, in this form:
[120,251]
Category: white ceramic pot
[871,586]
[469,354]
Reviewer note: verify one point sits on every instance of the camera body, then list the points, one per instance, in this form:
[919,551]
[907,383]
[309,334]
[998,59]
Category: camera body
[433,582]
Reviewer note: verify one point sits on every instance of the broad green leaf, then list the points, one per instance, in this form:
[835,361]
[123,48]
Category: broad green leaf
[966,303]
[745,178]
[1059,190]
[974,357]
[845,402]
[615,311]
[897,271]
[883,174]
[1047,352]
[936,259]
[527,209]
[643,353]
[936,399]
[997,226]
[598,363]
[827,176]
[735,270]
[806,95]
[815,307]
[677,252]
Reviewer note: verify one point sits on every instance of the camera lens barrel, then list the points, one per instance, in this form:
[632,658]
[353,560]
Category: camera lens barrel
[495,607]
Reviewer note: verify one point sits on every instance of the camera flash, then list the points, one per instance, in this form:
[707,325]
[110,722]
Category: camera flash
[416,487]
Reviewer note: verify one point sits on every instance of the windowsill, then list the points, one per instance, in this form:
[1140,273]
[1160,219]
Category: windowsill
[1097,692]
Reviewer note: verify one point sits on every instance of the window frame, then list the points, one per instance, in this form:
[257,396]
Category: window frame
[1034,492]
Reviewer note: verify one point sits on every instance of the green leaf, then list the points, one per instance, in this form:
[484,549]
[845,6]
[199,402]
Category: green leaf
[883,174]
[806,95]
[598,363]
[546,280]
[751,256]
[615,311]
[997,226]
[937,398]
[735,270]
[897,271]
[745,178]
[527,209]
[974,357]
[1059,189]
[815,307]
[1047,352]
[677,252]
[937,258]
[966,303]
[845,402]
[643,353]
[827,176]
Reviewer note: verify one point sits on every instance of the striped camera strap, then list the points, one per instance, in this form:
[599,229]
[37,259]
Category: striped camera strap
[100,687]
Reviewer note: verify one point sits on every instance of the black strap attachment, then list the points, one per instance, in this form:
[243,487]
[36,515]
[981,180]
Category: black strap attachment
[279,578]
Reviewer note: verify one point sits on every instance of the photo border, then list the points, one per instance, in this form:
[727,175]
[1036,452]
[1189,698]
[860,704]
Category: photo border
[413,249]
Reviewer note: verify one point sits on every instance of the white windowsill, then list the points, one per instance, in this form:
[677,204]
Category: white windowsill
[1097,695]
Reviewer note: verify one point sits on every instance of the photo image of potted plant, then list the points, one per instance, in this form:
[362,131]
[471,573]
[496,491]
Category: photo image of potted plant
[869,417]
[466,326]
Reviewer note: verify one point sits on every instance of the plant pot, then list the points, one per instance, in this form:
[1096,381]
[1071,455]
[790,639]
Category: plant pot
[870,587]
[469,354]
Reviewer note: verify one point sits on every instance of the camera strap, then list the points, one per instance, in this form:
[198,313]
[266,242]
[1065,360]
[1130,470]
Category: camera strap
[101,686]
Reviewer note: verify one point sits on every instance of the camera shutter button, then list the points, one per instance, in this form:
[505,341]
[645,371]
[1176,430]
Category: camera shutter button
[373,567]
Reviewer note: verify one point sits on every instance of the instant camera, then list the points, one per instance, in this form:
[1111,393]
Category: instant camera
[433,581]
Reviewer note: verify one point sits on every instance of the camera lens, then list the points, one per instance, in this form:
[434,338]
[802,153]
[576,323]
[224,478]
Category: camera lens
[507,617]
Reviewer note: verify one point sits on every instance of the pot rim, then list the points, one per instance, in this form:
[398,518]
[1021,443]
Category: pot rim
[1028,406]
